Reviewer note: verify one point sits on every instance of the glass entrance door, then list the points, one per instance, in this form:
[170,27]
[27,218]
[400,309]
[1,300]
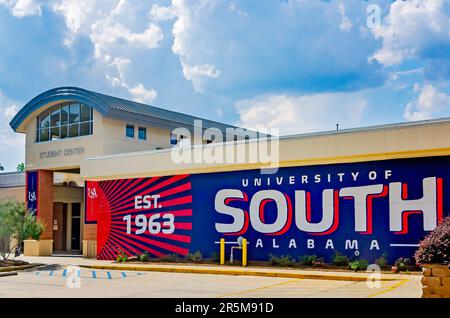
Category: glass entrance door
[76,226]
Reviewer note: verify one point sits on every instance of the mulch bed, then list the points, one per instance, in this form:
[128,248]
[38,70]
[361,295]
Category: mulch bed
[9,263]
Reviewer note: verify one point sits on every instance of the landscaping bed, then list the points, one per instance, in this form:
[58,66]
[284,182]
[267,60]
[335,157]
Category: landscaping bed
[10,263]
[306,262]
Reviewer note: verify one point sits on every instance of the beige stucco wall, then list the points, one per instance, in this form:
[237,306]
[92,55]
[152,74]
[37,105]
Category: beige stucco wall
[17,194]
[415,140]
[108,138]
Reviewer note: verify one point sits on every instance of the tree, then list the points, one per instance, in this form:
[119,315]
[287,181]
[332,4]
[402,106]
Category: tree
[16,225]
[1,167]
[21,167]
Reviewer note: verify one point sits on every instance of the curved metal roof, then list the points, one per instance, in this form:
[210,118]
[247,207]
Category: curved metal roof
[115,107]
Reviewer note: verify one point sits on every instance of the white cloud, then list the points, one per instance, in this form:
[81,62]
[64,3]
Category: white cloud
[142,94]
[183,31]
[161,13]
[412,29]
[301,114]
[429,103]
[112,28]
[12,145]
[23,8]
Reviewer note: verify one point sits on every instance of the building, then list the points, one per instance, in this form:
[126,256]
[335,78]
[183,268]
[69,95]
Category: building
[102,175]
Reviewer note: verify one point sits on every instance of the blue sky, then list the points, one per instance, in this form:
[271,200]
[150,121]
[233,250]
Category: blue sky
[295,65]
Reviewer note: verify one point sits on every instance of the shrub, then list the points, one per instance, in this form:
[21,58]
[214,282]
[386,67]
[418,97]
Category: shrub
[339,259]
[401,264]
[170,257]
[435,247]
[359,264]
[121,257]
[215,257]
[17,224]
[285,261]
[144,257]
[196,257]
[310,260]
[382,261]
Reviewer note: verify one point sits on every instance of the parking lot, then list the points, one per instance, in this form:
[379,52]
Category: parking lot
[63,281]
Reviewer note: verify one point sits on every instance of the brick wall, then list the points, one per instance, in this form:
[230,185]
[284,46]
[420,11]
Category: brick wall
[45,202]
[90,232]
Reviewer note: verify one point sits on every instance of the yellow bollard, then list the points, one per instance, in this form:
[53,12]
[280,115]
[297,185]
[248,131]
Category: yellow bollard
[222,251]
[244,252]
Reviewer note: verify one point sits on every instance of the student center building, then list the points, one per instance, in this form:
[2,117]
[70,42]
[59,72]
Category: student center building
[103,176]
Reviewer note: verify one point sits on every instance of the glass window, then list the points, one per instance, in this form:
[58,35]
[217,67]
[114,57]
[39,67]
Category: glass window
[43,135]
[54,133]
[130,131]
[74,113]
[62,121]
[142,133]
[73,130]
[64,132]
[65,114]
[173,139]
[44,119]
[85,129]
[85,113]
[55,119]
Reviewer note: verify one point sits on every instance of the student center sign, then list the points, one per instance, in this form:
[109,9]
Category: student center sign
[362,192]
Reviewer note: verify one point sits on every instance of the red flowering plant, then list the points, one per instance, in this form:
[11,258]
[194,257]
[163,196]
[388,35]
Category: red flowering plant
[435,247]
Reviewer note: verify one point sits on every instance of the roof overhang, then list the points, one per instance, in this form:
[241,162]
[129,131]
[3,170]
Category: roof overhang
[53,96]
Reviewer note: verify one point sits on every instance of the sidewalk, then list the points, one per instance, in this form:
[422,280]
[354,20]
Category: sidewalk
[215,269]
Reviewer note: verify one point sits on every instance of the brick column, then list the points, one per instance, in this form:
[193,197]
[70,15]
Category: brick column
[45,202]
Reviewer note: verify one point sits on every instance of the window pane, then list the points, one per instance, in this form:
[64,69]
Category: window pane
[55,119]
[142,133]
[73,130]
[85,129]
[64,132]
[43,135]
[173,139]
[44,119]
[130,131]
[65,114]
[74,114]
[85,113]
[54,133]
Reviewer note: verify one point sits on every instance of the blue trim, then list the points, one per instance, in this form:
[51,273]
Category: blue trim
[114,107]
[56,95]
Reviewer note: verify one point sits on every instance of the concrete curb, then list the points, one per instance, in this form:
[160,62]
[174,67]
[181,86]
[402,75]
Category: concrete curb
[5,274]
[17,268]
[235,272]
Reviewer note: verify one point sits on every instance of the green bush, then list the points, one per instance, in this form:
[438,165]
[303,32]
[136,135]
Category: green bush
[215,257]
[402,263]
[17,222]
[121,256]
[144,257]
[196,257]
[170,257]
[358,265]
[382,261]
[339,259]
[285,261]
[308,260]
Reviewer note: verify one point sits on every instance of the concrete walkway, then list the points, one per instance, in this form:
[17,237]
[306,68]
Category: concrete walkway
[219,270]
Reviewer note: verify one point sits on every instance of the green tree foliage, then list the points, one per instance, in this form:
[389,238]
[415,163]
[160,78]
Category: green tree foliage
[21,167]
[17,224]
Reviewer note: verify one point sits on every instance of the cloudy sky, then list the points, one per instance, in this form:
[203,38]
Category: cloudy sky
[295,65]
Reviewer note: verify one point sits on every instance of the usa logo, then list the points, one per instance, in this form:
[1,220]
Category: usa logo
[92,193]
[32,196]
